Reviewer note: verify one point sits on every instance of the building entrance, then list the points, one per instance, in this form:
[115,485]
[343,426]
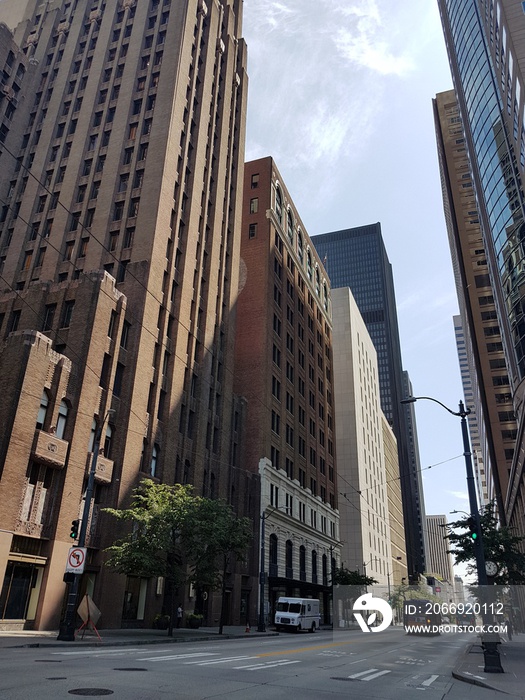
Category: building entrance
[20,582]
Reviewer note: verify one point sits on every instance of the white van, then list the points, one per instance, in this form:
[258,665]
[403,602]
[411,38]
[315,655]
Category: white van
[297,614]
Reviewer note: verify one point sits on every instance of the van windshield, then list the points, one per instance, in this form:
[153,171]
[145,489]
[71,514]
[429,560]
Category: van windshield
[289,607]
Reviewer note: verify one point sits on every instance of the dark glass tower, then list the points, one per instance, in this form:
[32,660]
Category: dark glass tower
[357,258]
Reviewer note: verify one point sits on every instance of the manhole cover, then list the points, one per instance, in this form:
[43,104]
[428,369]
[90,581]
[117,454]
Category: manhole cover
[57,678]
[341,678]
[130,669]
[92,692]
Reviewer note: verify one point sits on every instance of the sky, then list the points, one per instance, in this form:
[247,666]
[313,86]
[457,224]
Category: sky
[340,95]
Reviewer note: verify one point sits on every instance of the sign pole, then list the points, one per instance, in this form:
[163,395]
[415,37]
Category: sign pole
[67,626]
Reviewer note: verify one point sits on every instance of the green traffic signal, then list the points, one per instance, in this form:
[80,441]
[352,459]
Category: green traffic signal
[471,523]
[74,529]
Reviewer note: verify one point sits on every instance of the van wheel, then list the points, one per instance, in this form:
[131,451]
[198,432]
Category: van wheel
[312,628]
[298,628]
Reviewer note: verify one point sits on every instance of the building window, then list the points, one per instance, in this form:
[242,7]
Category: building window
[67,313]
[289,559]
[42,411]
[62,420]
[314,566]
[273,556]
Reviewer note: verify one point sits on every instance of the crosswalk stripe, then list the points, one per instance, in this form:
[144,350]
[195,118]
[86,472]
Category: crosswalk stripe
[375,675]
[208,662]
[274,664]
[363,673]
[176,656]
[430,680]
[115,652]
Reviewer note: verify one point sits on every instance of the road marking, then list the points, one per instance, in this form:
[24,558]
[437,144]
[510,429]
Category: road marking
[363,673]
[362,676]
[429,681]
[93,653]
[275,664]
[376,675]
[209,662]
[176,656]
[313,648]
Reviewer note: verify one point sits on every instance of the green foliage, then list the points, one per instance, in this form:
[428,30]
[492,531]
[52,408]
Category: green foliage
[500,545]
[345,577]
[178,535]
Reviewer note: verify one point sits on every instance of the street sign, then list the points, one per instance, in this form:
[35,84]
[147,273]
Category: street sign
[76,560]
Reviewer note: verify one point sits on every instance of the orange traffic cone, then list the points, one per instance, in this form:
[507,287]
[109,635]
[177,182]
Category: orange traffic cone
[248,629]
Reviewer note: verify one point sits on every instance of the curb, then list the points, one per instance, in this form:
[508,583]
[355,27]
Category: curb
[472,680]
[140,642]
[475,681]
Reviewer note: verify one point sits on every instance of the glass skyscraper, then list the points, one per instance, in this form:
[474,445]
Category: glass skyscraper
[357,258]
[487,58]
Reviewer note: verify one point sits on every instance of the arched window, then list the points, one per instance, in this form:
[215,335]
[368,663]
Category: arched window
[42,411]
[317,282]
[278,204]
[290,225]
[302,563]
[154,457]
[62,419]
[289,559]
[273,570]
[314,566]
[309,265]
[325,296]
[300,248]
[325,570]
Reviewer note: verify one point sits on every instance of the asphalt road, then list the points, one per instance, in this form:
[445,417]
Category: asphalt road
[384,666]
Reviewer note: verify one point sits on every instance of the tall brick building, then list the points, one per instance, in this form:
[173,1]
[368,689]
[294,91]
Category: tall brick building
[284,370]
[122,129]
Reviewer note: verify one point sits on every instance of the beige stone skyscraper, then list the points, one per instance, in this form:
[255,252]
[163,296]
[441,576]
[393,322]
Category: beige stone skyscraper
[121,168]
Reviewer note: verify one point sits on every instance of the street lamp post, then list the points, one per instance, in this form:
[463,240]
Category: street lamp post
[67,626]
[492,657]
[261,627]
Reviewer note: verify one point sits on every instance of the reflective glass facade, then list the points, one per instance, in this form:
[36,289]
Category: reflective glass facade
[485,96]
[357,258]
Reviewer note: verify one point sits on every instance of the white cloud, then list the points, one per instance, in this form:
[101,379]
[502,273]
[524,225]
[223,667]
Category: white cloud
[462,495]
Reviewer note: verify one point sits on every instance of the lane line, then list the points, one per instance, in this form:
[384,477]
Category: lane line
[299,650]
[429,681]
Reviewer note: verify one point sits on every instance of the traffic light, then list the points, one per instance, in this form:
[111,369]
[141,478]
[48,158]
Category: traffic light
[473,528]
[74,529]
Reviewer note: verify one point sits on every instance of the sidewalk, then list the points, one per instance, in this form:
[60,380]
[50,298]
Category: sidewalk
[512,655]
[129,637]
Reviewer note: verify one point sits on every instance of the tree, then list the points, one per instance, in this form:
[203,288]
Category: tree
[179,536]
[345,577]
[500,545]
